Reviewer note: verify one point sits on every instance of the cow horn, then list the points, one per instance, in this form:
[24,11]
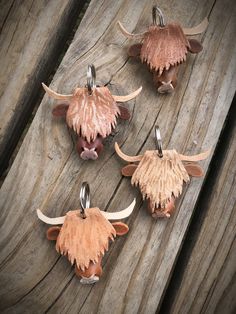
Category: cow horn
[195,157]
[55,95]
[126,157]
[198,29]
[50,221]
[127,97]
[122,214]
[128,34]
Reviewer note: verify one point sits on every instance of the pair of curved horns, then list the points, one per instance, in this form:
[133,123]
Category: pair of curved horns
[198,29]
[125,157]
[55,95]
[109,216]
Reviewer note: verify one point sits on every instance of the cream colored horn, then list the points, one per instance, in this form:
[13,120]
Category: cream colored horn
[50,221]
[55,95]
[128,34]
[127,97]
[198,157]
[198,29]
[122,214]
[126,157]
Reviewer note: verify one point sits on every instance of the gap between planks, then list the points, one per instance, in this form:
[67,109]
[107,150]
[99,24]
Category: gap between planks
[28,65]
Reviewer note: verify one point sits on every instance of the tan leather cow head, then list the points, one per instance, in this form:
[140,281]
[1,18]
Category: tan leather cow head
[84,237]
[160,177]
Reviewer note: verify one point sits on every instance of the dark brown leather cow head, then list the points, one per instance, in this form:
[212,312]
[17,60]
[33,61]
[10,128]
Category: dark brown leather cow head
[163,47]
[92,113]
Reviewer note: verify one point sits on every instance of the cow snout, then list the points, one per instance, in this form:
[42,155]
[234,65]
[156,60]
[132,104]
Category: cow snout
[89,150]
[91,274]
[162,212]
[167,81]
[89,154]
[165,87]
[90,280]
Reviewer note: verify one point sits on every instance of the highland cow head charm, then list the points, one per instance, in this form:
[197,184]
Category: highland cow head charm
[163,47]
[92,113]
[160,175]
[85,234]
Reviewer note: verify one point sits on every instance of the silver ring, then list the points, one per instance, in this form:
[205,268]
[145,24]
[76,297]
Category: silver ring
[84,198]
[158,141]
[155,11]
[91,78]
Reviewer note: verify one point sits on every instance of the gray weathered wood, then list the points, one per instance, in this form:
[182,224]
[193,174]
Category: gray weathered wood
[32,35]
[47,172]
[208,284]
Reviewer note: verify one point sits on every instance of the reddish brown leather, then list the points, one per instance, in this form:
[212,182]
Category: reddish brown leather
[53,232]
[194,169]
[120,227]
[94,269]
[124,113]
[195,46]
[128,170]
[134,50]
[166,76]
[170,206]
[162,212]
[89,150]
[92,115]
[164,47]
[60,110]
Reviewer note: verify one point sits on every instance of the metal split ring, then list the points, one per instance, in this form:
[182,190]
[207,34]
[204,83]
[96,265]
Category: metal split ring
[155,11]
[158,141]
[84,198]
[91,78]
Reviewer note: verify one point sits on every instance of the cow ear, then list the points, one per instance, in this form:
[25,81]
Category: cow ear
[53,232]
[60,110]
[195,46]
[135,50]
[128,171]
[193,169]
[120,228]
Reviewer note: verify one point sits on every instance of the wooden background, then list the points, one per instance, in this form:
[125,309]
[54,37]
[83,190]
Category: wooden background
[47,173]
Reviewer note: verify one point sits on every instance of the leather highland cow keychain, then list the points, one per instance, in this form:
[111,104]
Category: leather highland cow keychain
[85,234]
[163,47]
[160,175]
[92,113]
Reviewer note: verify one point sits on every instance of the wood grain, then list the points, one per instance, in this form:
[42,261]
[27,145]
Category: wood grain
[32,36]
[208,275]
[47,172]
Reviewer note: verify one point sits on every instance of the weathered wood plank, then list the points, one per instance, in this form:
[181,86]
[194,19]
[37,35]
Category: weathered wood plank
[208,283]
[47,173]
[32,36]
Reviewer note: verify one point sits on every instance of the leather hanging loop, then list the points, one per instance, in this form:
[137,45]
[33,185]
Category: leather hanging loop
[84,198]
[158,141]
[156,11]
[91,78]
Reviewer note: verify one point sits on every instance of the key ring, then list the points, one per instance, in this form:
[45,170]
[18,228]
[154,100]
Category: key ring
[155,11]
[84,198]
[158,141]
[91,78]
